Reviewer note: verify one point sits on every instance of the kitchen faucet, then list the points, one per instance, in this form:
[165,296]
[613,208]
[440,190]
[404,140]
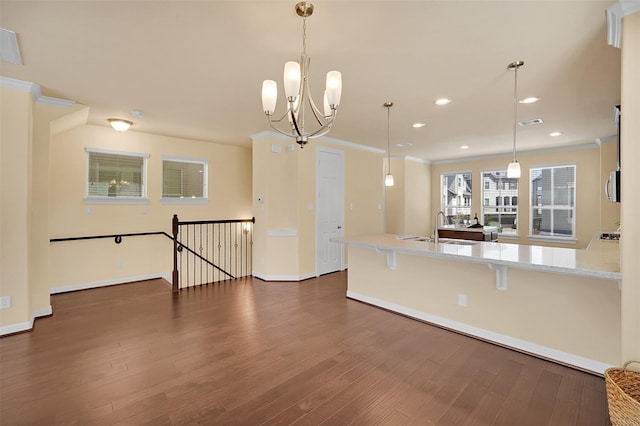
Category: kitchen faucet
[435,231]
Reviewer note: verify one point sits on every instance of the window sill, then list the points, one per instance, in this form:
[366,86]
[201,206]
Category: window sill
[116,200]
[549,239]
[184,201]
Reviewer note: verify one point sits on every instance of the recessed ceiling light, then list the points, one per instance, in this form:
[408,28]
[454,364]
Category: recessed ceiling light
[443,101]
[464,147]
[418,125]
[403,144]
[530,122]
[554,134]
[529,100]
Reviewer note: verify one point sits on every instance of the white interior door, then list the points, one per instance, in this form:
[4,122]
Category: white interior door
[329,209]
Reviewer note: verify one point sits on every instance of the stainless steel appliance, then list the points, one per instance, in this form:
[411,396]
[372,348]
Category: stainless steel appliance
[612,185]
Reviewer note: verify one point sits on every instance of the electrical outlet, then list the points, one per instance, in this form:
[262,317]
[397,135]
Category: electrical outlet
[462,300]
[5,302]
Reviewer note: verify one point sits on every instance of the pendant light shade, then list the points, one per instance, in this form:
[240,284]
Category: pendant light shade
[513,171]
[388,180]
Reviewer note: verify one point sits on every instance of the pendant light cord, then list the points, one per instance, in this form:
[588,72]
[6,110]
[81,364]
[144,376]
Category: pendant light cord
[515,109]
[389,138]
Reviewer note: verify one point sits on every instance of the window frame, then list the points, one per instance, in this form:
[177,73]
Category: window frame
[186,200]
[572,239]
[500,195]
[464,206]
[98,199]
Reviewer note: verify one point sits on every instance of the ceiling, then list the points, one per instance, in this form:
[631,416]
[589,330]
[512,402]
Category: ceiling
[195,68]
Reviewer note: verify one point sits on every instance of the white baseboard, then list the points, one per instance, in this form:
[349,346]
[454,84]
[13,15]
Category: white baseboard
[25,326]
[500,339]
[105,283]
[264,277]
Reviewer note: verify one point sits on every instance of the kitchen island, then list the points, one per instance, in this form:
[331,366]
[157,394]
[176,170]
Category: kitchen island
[561,304]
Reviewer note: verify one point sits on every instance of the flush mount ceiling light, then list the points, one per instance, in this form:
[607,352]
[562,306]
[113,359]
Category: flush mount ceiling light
[443,101]
[464,147]
[119,124]
[296,89]
[388,180]
[513,171]
[555,134]
[418,125]
[529,100]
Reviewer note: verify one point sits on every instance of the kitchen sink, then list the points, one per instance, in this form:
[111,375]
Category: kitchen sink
[459,242]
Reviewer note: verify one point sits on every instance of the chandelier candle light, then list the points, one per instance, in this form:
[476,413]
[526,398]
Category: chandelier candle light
[388,180]
[296,89]
[513,171]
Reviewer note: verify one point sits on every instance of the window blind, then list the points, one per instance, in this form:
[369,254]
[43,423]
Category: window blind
[115,175]
[183,179]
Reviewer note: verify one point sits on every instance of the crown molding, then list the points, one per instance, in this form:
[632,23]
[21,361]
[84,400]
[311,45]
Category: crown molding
[56,102]
[36,92]
[333,141]
[614,14]
[521,153]
[410,158]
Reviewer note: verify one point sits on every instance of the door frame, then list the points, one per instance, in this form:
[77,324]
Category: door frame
[341,154]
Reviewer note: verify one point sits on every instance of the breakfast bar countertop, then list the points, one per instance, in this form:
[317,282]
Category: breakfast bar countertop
[599,259]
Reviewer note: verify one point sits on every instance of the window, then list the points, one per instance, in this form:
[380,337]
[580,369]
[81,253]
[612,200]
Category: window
[183,180]
[553,196]
[504,212]
[116,177]
[455,197]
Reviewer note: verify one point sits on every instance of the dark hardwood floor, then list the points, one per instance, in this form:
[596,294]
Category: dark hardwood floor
[249,352]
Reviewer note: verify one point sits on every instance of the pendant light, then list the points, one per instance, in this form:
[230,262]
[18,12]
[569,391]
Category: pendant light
[513,171]
[388,180]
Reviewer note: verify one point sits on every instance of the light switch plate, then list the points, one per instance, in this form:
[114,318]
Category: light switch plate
[462,300]
[5,302]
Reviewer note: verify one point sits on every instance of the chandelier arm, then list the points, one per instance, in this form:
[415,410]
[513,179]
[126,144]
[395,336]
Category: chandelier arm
[294,123]
[272,120]
[282,132]
[316,113]
[321,131]
[324,129]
